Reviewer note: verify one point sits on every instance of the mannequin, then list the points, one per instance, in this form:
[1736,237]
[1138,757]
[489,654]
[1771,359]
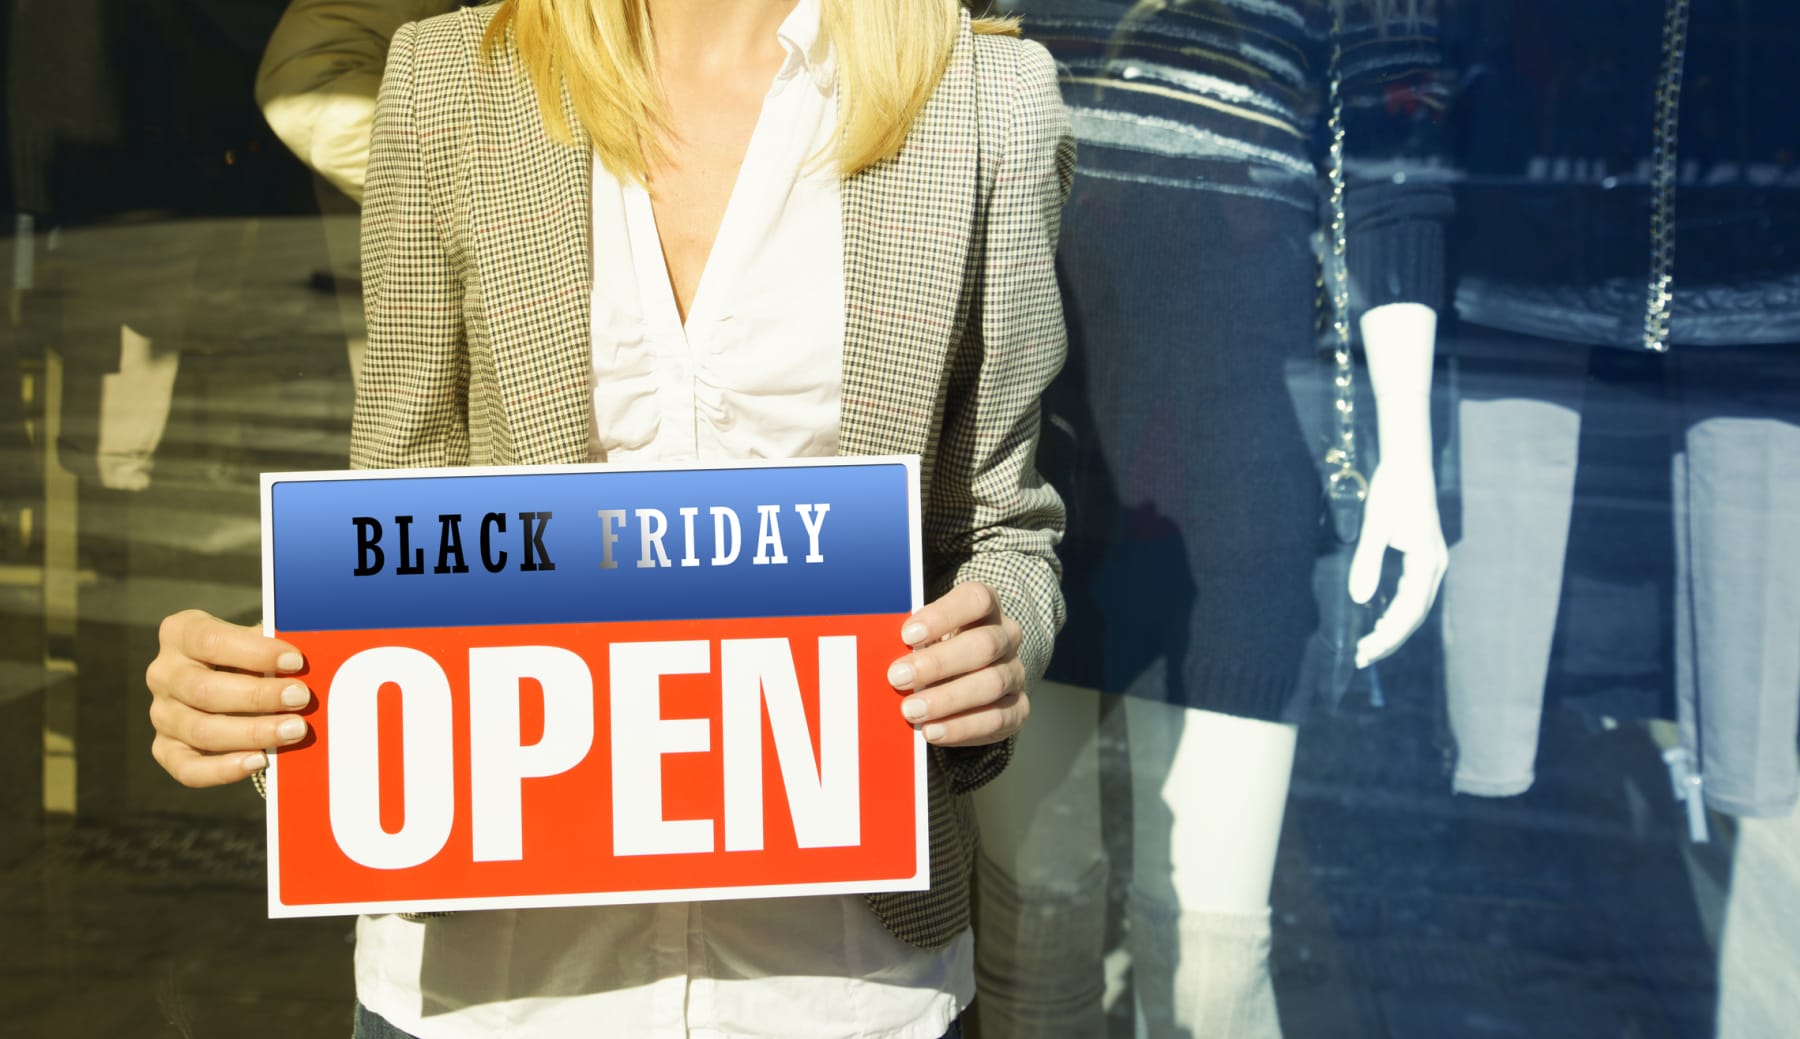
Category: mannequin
[1723,365]
[1209,702]
[1230,775]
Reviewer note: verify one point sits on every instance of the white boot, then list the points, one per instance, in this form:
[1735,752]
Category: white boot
[1201,975]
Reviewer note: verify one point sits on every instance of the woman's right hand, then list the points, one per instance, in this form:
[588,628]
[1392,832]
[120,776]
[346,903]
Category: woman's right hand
[213,705]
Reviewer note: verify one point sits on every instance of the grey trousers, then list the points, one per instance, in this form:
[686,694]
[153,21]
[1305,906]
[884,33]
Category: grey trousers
[1734,422]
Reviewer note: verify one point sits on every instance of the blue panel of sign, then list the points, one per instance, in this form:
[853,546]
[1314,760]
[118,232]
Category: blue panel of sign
[585,545]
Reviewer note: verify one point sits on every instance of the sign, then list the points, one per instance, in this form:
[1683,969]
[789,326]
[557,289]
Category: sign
[581,685]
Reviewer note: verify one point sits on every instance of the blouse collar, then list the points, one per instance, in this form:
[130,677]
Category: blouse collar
[808,49]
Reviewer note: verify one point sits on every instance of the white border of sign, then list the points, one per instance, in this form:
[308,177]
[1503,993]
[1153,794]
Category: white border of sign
[921,808]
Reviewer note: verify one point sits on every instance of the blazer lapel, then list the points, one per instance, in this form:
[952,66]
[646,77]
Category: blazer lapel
[530,217]
[907,223]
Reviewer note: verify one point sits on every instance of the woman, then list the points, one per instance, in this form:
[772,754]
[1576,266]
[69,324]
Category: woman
[559,268]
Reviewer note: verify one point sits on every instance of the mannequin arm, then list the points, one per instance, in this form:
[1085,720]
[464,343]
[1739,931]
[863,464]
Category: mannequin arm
[320,74]
[1401,512]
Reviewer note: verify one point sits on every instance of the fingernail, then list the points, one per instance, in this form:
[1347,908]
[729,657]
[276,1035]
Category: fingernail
[291,730]
[914,709]
[933,733]
[913,633]
[295,696]
[290,662]
[900,675]
[254,762]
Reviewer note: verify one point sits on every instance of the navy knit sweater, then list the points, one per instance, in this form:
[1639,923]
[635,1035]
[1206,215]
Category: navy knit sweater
[1230,96]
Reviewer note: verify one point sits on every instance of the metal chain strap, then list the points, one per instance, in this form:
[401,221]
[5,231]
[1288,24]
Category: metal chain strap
[1663,173]
[1344,482]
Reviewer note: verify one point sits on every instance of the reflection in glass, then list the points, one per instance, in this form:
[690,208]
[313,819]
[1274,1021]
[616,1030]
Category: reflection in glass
[1602,143]
[1197,263]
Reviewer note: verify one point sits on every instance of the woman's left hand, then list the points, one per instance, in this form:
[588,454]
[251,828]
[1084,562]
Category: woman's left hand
[964,676]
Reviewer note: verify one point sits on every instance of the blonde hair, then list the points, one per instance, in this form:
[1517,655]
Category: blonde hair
[889,54]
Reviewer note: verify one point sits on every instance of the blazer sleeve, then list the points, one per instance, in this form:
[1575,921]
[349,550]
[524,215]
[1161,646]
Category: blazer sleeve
[412,394]
[994,519]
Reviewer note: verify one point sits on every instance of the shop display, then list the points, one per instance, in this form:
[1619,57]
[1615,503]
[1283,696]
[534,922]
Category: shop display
[1192,273]
[1633,204]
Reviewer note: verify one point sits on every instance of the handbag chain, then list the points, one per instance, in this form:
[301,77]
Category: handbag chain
[1660,296]
[1343,482]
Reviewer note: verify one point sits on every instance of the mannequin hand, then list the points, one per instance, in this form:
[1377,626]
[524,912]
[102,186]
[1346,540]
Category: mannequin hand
[967,681]
[212,706]
[1400,513]
[1401,510]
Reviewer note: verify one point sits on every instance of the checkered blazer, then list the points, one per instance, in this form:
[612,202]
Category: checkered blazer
[477,268]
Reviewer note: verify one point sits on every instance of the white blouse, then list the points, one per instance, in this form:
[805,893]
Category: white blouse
[754,373]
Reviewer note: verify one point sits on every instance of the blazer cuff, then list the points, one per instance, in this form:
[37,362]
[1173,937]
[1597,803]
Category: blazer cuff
[970,768]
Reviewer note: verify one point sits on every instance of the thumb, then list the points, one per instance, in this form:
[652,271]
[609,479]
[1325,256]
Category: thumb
[1365,565]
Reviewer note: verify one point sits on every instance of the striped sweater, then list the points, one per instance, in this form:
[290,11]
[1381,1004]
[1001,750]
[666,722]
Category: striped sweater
[1231,96]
